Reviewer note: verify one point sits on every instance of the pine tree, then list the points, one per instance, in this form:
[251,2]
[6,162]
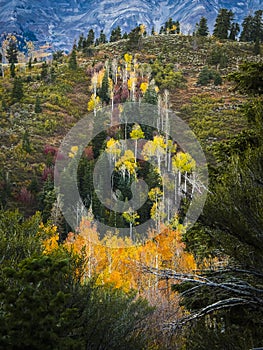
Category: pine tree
[12,51]
[72,63]
[178,28]
[150,96]
[202,28]
[17,92]
[26,146]
[170,27]
[115,34]
[257,26]
[44,71]
[249,78]
[134,38]
[90,37]
[12,70]
[102,38]
[234,30]
[256,49]
[30,63]
[80,42]
[104,90]
[38,108]
[223,23]
[58,56]
[162,30]
[247,31]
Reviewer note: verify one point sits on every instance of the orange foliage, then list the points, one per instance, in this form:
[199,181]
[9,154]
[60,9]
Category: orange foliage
[122,265]
[49,236]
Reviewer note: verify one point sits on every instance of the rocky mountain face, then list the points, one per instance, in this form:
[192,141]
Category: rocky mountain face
[62,21]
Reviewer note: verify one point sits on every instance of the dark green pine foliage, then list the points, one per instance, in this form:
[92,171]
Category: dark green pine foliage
[231,225]
[172,27]
[80,42]
[218,57]
[162,31]
[12,70]
[252,28]
[46,199]
[223,23]
[86,44]
[134,39]
[116,34]
[44,71]
[247,31]
[90,38]
[257,32]
[125,36]
[5,188]
[202,28]
[150,96]
[12,51]
[234,30]
[104,90]
[58,56]
[17,91]
[207,75]
[26,145]
[102,38]
[72,63]
[30,63]
[38,108]
[45,306]
[249,78]
[257,49]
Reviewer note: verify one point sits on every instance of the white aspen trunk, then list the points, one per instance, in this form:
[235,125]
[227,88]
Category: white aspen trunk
[185,182]
[133,91]
[112,103]
[131,231]
[135,150]
[89,264]
[175,188]
[169,160]
[157,267]
[168,209]
[179,183]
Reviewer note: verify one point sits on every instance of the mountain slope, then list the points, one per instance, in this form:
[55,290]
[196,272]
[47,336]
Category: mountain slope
[61,21]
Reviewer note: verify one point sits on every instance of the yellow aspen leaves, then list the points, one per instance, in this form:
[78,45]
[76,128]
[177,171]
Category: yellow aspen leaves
[100,77]
[128,58]
[136,132]
[144,87]
[73,151]
[113,148]
[131,216]
[183,162]
[49,237]
[154,148]
[142,29]
[131,81]
[127,163]
[155,194]
[93,103]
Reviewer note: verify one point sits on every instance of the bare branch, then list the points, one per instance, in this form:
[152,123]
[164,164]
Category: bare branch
[219,305]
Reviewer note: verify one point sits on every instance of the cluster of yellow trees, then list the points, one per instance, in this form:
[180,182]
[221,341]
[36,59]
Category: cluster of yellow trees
[116,260]
[160,152]
[125,80]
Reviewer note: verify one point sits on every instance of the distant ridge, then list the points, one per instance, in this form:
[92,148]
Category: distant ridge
[63,21]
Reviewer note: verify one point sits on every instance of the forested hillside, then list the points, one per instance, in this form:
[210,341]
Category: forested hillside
[85,274]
